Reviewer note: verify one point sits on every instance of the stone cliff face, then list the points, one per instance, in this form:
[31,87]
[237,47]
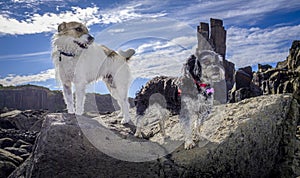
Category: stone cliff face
[251,138]
[31,97]
[40,98]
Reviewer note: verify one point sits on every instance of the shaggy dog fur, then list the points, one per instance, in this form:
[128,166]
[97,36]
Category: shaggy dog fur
[189,95]
[80,61]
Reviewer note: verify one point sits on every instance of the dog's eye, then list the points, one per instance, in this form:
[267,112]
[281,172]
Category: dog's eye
[79,29]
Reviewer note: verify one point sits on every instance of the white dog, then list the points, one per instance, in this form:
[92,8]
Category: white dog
[80,61]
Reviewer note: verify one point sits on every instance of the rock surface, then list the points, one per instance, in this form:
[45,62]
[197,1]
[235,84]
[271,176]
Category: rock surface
[251,138]
[18,131]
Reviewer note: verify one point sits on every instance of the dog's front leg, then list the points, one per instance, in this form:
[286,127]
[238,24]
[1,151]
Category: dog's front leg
[185,121]
[80,98]
[68,96]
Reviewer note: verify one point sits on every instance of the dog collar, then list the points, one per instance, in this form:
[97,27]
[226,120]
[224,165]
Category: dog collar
[65,54]
[207,89]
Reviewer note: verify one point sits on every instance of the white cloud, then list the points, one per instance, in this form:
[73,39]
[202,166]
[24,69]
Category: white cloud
[159,58]
[19,56]
[12,80]
[251,46]
[47,22]
[159,28]
[120,30]
[161,44]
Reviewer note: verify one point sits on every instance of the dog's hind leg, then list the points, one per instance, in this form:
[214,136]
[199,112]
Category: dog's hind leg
[120,94]
[162,118]
[80,98]
[139,123]
[125,110]
[68,96]
[124,104]
[189,143]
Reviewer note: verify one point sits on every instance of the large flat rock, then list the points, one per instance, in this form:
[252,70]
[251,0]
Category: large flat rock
[252,138]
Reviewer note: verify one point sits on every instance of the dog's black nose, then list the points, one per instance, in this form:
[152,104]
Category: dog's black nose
[90,38]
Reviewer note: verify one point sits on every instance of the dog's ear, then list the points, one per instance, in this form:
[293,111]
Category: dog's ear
[61,26]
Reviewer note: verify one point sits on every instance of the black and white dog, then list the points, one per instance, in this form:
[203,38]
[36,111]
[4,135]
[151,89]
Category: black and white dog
[189,95]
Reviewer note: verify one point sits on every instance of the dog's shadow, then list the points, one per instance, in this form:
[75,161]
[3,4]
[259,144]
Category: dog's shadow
[151,132]
[111,122]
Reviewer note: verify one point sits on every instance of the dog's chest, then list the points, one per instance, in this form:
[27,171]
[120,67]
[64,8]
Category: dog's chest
[67,66]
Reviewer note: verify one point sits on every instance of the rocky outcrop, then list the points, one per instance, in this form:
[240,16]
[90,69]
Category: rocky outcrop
[229,74]
[216,41]
[218,36]
[251,138]
[30,97]
[285,78]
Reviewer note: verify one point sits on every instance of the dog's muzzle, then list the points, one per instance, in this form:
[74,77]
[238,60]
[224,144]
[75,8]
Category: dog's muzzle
[89,39]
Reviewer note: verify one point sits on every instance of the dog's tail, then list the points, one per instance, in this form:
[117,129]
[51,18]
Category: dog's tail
[127,54]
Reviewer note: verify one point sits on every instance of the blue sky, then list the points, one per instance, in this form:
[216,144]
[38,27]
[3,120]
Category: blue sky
[162,32]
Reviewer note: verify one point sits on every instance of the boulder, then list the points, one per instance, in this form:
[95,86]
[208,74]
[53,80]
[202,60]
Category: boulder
[229,74]
[246,92]
[22,120]
[243,77]
[6,142]
[16,151]
[251,138]
[8,162]
[25,135]
[246,85]
[263,68]
[20,143]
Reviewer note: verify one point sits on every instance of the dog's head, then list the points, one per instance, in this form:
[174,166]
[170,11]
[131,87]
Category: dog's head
[212,66]
[192,68]
[73,34]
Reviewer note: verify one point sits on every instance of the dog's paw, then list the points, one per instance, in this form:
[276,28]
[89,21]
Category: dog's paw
[138,135]
[124,121]
[71,111]
[120,115]
[79,113]
[189,144]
